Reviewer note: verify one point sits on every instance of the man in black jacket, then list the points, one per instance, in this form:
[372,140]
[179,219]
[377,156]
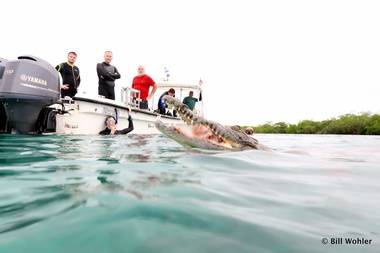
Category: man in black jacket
[70,76]
[111,126]
[107,75]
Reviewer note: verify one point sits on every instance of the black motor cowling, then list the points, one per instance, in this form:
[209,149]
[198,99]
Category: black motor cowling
[29,84]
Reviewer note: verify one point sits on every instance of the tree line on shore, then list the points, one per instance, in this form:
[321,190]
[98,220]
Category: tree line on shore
[364,124]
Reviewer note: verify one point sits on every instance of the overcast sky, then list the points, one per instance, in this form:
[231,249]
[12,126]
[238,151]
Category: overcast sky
[259,60]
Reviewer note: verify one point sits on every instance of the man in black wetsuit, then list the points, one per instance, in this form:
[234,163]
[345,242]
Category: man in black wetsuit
[111,126]
[107,75]
[70,76]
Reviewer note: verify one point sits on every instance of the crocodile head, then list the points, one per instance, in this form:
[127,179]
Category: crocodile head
[205,133]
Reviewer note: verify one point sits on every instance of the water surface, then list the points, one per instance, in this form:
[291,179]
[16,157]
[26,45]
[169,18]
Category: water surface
[136,193]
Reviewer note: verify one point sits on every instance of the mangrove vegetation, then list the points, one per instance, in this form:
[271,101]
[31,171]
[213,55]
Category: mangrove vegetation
[363,124]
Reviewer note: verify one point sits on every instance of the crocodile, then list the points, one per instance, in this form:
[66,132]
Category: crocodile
[205,133]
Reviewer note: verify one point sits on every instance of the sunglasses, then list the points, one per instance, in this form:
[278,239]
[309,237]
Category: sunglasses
[110,121]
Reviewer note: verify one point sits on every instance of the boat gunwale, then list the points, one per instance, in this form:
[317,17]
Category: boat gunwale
[93,100]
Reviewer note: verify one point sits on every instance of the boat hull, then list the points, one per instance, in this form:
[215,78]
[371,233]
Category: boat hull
[86,115]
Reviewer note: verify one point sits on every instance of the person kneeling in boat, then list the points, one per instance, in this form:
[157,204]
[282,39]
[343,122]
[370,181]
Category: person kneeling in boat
[111,126]
[161,105]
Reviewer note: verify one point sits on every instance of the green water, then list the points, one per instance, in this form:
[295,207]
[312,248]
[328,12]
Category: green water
[148,194]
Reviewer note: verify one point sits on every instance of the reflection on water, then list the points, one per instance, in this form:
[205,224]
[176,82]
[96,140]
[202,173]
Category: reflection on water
[119,149]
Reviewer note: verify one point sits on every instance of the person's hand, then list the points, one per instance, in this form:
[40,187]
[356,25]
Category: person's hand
[129,111]
[112,127]
[65,86]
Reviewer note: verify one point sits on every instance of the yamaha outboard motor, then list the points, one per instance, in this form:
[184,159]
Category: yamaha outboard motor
[3,62]
[29,84]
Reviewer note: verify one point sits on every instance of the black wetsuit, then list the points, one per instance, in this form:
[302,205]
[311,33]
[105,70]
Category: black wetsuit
[107,131]
[70,75]
[107,83]
[161,105]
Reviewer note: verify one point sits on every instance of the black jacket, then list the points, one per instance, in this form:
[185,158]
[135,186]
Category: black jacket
[70,75]
[109,74]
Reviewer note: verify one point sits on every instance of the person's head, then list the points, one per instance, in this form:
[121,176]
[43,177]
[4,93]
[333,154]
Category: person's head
[191,94]
[171,92]
[71,57]
[141,70]
[249,131]
[110,121]
[108,56]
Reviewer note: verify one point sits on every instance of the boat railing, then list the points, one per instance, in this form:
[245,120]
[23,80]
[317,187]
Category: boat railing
[130,97]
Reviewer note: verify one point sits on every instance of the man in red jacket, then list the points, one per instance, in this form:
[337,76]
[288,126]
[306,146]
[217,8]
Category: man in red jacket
[142,82]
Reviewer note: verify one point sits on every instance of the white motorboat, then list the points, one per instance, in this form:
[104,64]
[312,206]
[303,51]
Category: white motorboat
[31,103]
